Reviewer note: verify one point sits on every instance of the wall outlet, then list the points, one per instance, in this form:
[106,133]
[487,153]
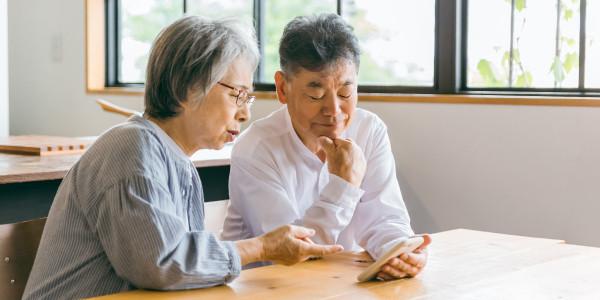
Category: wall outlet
[56,46]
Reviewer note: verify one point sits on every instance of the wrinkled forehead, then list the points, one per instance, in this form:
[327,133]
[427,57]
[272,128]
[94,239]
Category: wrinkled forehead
[340,71]
[239,74]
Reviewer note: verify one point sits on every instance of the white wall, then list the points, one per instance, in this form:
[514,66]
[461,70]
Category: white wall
[48,96]
[528,170]
[3,69]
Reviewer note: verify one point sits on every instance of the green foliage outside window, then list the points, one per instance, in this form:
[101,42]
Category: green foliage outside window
[562,64]
[144,27]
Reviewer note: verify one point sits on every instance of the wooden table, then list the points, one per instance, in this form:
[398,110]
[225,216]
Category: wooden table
[15,168]
[463,264]
[28,183]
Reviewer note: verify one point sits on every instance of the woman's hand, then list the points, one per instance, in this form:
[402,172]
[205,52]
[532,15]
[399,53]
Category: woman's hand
[285,245]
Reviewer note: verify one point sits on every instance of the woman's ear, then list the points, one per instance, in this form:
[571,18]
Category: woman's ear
[280,87]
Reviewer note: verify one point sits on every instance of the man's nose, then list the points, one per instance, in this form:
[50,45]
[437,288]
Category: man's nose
[331,105]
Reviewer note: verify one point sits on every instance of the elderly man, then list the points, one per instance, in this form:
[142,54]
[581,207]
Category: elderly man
[319,161]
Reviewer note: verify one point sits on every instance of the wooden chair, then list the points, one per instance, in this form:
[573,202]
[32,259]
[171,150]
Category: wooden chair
[18,246]
[107,106]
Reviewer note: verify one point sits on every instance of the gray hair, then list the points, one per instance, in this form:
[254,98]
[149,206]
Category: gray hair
[192,54]
[317,43]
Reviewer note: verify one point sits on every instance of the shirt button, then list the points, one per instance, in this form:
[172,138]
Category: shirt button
[183,193]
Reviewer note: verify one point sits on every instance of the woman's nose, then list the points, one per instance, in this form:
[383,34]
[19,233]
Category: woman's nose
[243,114]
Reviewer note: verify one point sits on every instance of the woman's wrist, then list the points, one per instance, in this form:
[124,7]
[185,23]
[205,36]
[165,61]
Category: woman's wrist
[250,250]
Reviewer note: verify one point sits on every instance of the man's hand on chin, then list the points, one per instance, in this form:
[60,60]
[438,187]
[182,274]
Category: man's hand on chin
[344,159]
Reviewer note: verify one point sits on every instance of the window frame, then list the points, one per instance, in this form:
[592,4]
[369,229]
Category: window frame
[448,85]
[112,47]
[580,91]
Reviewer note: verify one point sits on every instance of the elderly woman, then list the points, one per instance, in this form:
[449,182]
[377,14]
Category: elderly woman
[130,212]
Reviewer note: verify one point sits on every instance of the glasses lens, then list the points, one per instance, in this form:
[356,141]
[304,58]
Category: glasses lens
[242,98]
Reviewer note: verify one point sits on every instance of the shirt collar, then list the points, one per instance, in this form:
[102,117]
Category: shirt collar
[168,140]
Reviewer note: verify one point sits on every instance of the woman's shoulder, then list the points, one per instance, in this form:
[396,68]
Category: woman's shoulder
[126,148]
[133,135]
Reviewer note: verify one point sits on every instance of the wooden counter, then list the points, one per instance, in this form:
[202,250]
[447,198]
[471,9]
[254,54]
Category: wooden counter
[463,264]
[24,168]
[28,183]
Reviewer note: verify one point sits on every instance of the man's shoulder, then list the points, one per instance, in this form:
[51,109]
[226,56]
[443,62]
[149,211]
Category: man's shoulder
[368,117]
[365,121]
[262,132]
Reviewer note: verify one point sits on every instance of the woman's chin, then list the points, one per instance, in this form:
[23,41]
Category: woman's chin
[218,146]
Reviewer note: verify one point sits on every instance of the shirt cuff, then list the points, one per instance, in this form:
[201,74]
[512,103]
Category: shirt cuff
[235,262]
[340,192]
[386,247]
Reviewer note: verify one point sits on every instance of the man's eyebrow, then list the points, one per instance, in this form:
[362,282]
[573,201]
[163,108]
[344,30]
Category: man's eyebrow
[314,84]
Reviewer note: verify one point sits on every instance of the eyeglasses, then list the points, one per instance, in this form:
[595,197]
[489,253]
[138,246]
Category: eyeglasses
[242,97]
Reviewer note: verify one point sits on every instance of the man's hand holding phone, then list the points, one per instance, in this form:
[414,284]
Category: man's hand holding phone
[406,259]
[406,264]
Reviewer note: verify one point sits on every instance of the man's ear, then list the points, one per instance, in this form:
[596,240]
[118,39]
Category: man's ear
[280,87]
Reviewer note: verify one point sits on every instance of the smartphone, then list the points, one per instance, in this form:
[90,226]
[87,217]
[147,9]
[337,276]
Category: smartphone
[405,246]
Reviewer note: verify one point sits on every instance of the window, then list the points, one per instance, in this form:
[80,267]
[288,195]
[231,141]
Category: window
[592,45]
[427,46]
[532,45]
[392,58]
[390,54]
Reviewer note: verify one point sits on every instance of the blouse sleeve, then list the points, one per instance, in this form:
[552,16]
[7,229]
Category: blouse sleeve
[150,246]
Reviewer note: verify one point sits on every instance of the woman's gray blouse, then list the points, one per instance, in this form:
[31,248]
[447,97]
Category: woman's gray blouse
[128,215]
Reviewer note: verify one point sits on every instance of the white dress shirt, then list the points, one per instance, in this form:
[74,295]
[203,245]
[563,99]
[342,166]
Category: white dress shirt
[276,180]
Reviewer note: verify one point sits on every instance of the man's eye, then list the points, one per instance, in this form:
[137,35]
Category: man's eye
[314,98]
[345,97]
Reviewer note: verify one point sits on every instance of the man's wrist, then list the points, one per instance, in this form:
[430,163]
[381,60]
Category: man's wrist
[341,193]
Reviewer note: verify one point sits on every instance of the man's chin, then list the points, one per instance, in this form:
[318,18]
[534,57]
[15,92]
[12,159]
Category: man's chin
[331,135]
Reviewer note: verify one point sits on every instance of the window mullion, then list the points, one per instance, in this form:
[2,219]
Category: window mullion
[447,45]
[582,43]
[112,42]
[511,43]
[557,43]
[259,19]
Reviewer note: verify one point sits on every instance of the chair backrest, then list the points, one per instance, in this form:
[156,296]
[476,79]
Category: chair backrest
[18,246]
[214,216]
